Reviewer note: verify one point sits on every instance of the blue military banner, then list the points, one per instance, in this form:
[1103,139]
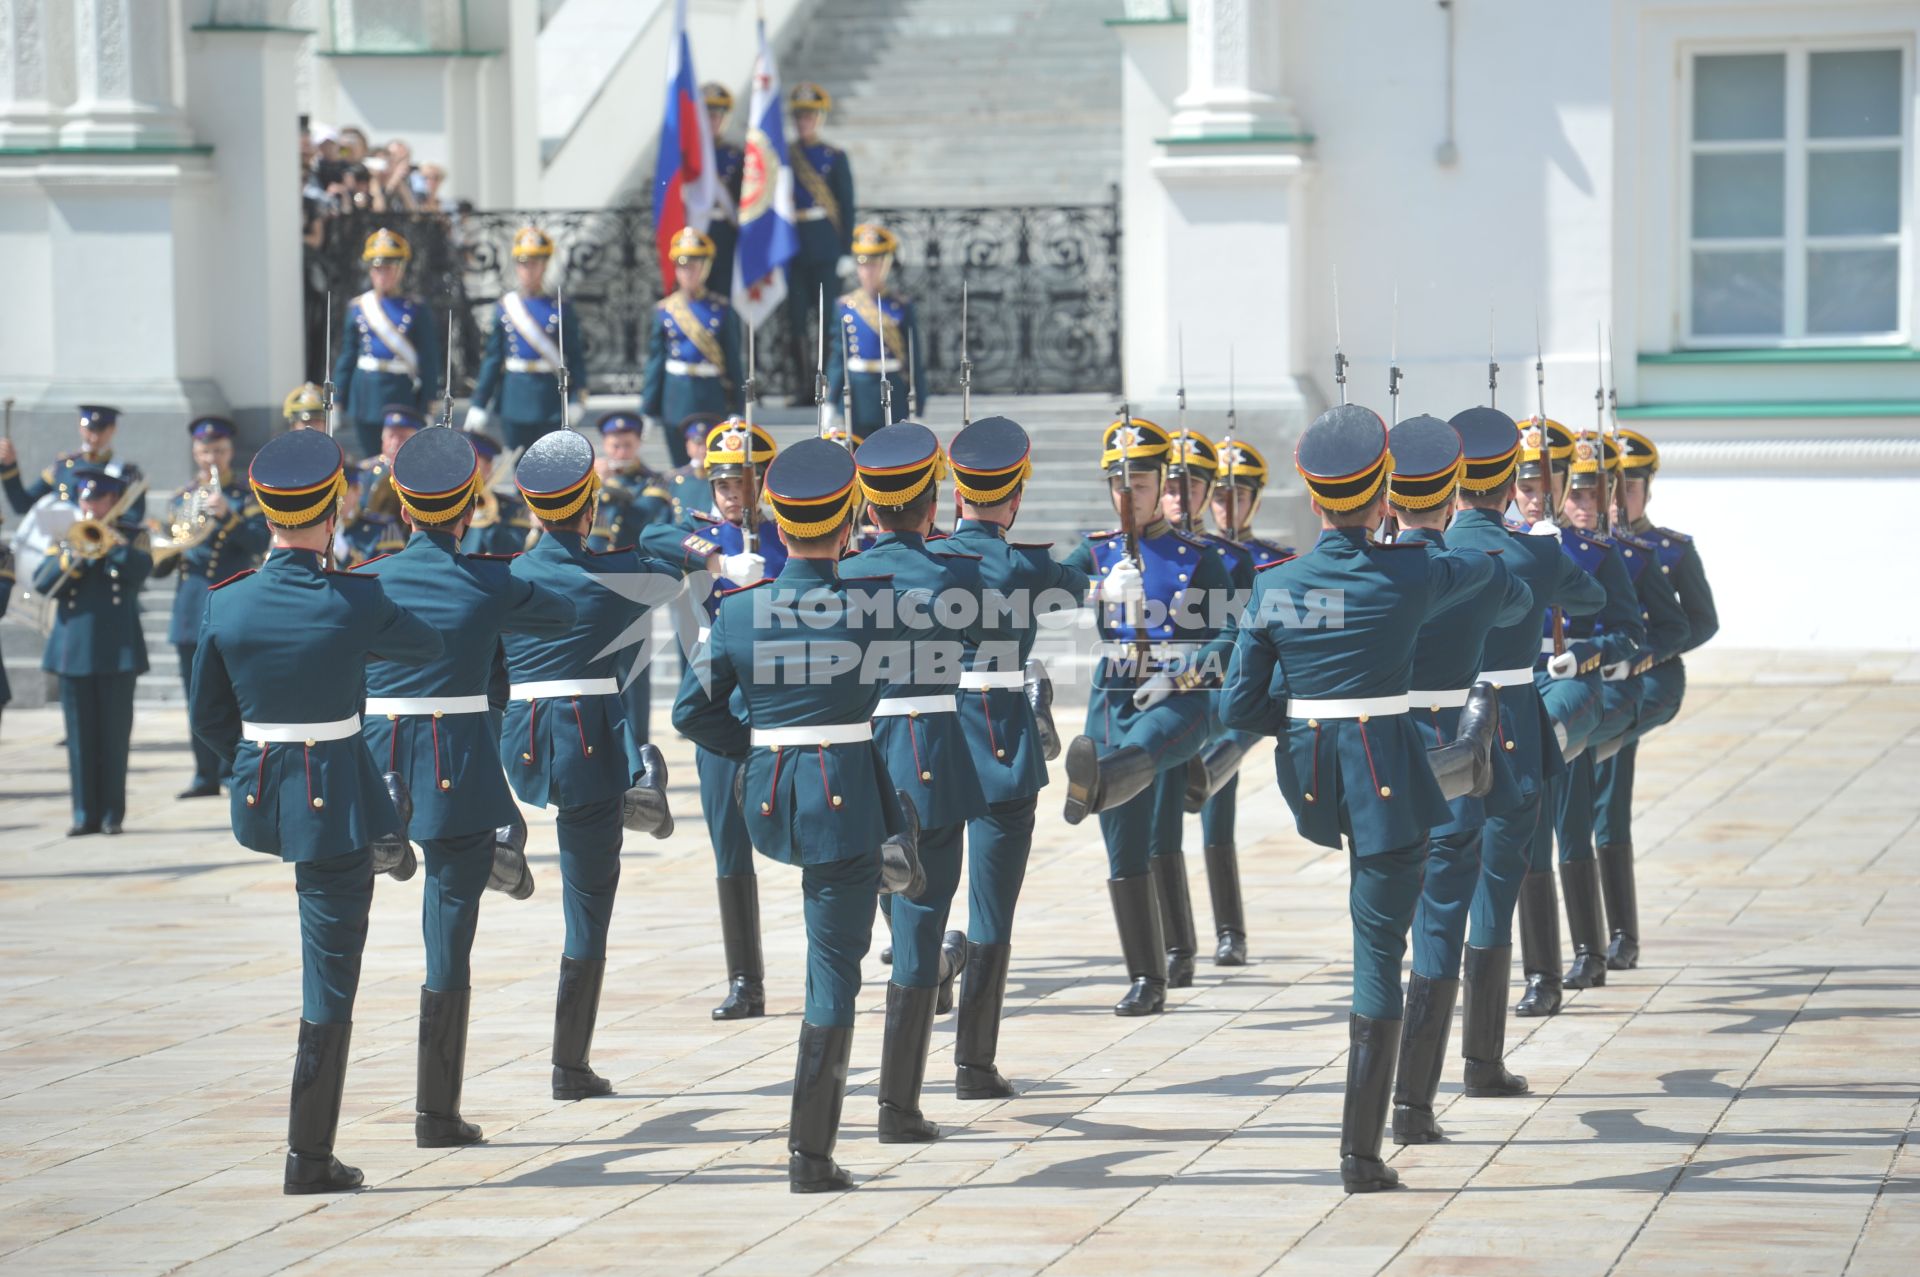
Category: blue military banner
[768,239]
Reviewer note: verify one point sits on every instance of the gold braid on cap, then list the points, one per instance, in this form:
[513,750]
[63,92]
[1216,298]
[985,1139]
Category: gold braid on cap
[1425,491]
[827,514]
[1352,492]
[1008,479]
[325,494]
[1484,474]
[573,498]
[931,470]
[441,507]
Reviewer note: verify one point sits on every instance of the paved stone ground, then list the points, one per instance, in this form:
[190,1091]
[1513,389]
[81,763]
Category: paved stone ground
[1742,1103]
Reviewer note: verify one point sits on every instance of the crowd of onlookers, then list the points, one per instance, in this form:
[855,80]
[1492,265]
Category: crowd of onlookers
[341,172]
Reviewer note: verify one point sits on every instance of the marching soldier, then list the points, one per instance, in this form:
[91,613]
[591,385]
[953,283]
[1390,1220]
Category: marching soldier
[1428,461]
[96,646]
[429,725]
[815,790]
[217,529]
[874,333]
[304,408]
[98,424]
[500,522]
[917,727]
[998,711]
[1351,762]
[389,348]
[823,205]
[564,736]
[1148,711]
[519,378]
[281,669]
[373,527]
[730,163]
[693,350]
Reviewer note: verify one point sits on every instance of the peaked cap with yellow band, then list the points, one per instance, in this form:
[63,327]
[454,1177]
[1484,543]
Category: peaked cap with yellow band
[531,241]
[727,449]
[556,475]
[1134,445]
[437,474]
[1639,457]
[689,245]
[298,478]
[386,246]
[1426,463]
[898,462]
[808,96]
[716,96]
[304,401]
[1344,457]
[1490,448]
[870,239]
[991,458]
[1542,441]
[1191,453]
[811,487]
[1242,464]
[1590,452]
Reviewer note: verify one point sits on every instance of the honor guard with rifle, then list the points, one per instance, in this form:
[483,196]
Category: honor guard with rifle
[500,522]
[814,787]
[823,206]
[730,166]
[281,669]
[93,582]
[1165,635]
[1448,695]
[917,728]
[304,408]
[1006,712]
[693,345]
[564,737]
[873,342]
[430,731]
[59,482]
[389,350]
[1351,762]
[214,529]
[532,338]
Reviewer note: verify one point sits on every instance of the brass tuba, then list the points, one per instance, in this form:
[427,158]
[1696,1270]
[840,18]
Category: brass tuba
[89,540]
[188,523]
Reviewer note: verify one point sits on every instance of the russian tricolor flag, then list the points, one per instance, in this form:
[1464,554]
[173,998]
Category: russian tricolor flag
[685,185]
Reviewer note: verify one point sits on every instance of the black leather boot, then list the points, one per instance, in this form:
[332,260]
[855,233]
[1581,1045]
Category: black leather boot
[1229,912]
[976,1037]
[1176,917]
[954,955]
[1539,945]
[819,1088]
[1623,905]
[441,1070]
[1372,1046]
[1586,924]
[1137,916]
[903,1066]
[1423,1057]
[740,936]
[575,1010]
[1095,784]
[1483,1028]
[313,1111]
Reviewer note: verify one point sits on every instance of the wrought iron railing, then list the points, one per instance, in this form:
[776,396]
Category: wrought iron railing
[1044,283]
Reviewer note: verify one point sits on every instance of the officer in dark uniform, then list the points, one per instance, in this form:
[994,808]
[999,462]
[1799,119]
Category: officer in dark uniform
[390,350]
[687,486]
[730,164]
[519,377]
[281,669]
[816,792]
[823,205]
[873,330]
[1351,761]
[693,345]
[304,408]
[214,529]
[96,646]
[991,465]
[429,725]
[631,494]
[500,522]
[1149,710]
[564,736]
[373,523]
[98,424]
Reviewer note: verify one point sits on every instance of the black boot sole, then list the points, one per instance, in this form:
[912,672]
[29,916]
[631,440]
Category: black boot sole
[1623,957]
[1083,775]
[1358,1175]
[807,1175]
[906,1128]
[1411,1126]
[739,1010]
[444,1132]
[574,1084]
[1231,952]
[1135,1004]
[976,1082]
[1589,971]
[337,1178]
[1507,1086]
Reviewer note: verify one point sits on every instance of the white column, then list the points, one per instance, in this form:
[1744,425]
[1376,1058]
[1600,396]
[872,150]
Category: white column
[1234,85]
[36,70]
[125,55]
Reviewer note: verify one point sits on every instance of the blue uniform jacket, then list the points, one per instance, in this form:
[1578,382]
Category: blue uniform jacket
[688,543]
[236,545]
[1189,600]
[508,533]
[96,616]
[366,391]
[825,237]
[860,318]
[692,331]
[1680,563]
[370,536]
[531,397]
[689,492]
[629,502]
[1660,607]
[1342,620]
[1617,632]
[290,643]
[452,764]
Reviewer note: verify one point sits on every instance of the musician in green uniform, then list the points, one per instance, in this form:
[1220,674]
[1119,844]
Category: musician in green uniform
[98,425]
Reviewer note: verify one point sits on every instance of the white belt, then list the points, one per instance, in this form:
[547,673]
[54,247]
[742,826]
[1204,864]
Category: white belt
[367,363]
[814,214]
[874,365]
[806,737]
[992,681]
[914,706]
[1346,707]
[394,706]
[704,633]
[681,368]
[528,365]
[563,687]
[1164,651]
[1508,678]
[1615,672]
[302,733]
[1452,698]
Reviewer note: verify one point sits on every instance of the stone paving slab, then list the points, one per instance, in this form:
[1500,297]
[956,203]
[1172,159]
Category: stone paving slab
[1743,1103]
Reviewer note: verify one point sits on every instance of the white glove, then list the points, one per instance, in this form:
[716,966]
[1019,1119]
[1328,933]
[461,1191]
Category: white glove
[744,568]
[1615,672]
[1153,691]
[477,418]
[1544,528]
[1124,585]
[1565,665]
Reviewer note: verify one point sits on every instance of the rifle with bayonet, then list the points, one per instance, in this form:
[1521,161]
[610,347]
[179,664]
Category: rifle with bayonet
[749,395]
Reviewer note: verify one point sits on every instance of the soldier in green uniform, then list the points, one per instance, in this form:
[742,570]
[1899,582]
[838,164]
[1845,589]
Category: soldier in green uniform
[96,646]
[304,408]
[693,345]
[430,725]
[816,791]
[98,425]
[532,336]
[874,336]
[730,163]
[281,669]
[823,206]
[390,346]
[216,529]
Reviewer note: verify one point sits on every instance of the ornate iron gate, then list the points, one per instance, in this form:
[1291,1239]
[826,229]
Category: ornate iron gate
[1044,284]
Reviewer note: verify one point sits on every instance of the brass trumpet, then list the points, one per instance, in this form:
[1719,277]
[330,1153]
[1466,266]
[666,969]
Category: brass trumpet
[486,509]
[90,539]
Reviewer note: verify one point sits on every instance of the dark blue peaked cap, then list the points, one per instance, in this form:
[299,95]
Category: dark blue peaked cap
[1490,441]
[94,481]
[435,472]
[554,463]
[811,487]
[990,445]
[897,462]
[210,428]
[1426,462]
[1343,457]
[406,416]
[98,416]
[297,476]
